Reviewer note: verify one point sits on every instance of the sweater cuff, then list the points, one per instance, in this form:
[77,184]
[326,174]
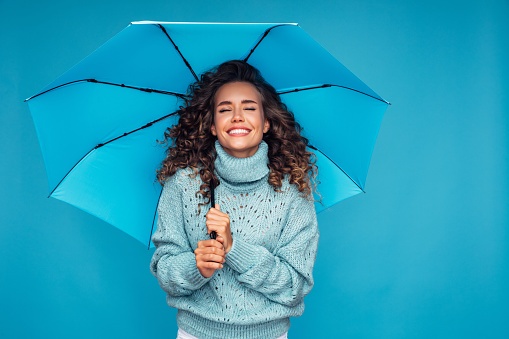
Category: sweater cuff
[195,277]
[241,254]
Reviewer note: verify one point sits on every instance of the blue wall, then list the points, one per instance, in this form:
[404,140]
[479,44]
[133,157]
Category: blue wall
[424,254]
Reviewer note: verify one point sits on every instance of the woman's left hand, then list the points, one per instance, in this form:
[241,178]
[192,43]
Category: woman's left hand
[220,222]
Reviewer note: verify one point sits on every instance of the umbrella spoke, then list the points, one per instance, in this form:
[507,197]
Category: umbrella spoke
[339,167]
[327,85]
[135,130]
[149,90]
[174,45]
[113,169]
[154,220]
[107,142]
[264,35]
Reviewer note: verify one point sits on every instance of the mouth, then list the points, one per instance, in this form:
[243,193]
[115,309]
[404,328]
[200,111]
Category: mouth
[238,132]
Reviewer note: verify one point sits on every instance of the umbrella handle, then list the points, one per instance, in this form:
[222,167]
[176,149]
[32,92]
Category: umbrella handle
[213,234]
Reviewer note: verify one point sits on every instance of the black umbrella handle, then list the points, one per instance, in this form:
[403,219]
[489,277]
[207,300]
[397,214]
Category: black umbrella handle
[213,234]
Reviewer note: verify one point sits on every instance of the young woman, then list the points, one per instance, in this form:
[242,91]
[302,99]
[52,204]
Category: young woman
[235,134]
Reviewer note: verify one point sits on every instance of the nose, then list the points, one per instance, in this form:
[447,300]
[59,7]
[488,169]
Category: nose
[237,115]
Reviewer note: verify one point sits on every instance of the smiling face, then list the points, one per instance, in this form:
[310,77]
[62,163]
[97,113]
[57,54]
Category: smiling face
[239,121]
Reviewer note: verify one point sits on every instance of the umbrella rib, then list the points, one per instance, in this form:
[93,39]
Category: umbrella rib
[153,220]
[264,35]
[328,85]
[174,45]
[325,155]
[149,90]
[107,142]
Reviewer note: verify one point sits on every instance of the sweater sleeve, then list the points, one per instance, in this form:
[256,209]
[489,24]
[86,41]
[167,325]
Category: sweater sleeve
[173,262]
[284,276]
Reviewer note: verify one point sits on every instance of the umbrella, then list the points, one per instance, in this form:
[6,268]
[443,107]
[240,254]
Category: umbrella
[98,123]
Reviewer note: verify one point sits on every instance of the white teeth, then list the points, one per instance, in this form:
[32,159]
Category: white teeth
[238,131]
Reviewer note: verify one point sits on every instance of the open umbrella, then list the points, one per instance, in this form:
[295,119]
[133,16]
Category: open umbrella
[98,123]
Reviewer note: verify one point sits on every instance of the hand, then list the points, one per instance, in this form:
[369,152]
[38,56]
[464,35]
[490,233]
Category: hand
[220,222]
[209,257]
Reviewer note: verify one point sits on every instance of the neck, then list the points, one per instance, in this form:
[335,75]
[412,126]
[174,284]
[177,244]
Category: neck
[242,171]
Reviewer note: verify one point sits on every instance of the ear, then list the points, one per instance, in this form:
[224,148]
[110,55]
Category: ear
[213,130]
[266,126]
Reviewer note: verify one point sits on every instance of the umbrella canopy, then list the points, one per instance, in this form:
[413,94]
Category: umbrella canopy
[98,123]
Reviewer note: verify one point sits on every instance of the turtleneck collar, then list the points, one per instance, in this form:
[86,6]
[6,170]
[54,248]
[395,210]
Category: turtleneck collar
[242,170]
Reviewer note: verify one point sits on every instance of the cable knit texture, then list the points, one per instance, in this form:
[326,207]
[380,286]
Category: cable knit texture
[268,270]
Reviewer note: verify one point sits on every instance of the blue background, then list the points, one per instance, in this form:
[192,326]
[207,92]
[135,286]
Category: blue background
[425,253]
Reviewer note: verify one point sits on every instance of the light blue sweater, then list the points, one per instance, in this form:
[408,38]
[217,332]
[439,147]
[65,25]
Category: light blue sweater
[268,270]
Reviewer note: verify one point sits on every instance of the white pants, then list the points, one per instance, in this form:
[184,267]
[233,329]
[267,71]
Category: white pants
[184,335]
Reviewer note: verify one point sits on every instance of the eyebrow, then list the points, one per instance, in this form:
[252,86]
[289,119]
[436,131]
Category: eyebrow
[245,101]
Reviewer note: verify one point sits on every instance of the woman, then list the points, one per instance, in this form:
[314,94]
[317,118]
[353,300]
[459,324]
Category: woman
[235,134]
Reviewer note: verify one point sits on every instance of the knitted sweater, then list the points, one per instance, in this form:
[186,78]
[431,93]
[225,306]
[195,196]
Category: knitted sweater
[268,270]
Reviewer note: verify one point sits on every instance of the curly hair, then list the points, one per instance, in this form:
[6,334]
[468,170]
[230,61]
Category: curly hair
[193,143]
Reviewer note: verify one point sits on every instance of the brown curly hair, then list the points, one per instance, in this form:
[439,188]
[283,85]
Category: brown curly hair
[193,143]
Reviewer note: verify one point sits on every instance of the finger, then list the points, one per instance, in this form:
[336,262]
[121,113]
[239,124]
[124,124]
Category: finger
[213,228]
[215,265]
[220,231]
[209,212]
[210,254]
[219,227]
[213,243]
[209,264]
[220,239]
[214,250]
[209,243]
[214,211]
[217,217]
[216,225]
[216,257]
[214,215]
[216,221]
[217,207]
[213,258]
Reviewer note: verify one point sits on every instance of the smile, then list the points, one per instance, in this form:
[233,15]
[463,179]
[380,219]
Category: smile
[239,132]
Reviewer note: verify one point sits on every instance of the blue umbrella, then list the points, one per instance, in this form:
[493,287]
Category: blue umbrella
[98,123]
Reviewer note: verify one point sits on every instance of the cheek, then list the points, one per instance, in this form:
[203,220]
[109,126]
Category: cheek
[261,122]
[220,124]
